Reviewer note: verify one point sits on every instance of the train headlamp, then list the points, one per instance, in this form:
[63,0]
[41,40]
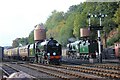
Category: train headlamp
[57,44]
[48,54]
[54,53]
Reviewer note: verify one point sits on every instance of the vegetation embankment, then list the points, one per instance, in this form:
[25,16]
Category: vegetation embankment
[63,26]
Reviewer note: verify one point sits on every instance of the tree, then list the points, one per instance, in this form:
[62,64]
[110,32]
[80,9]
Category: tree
[15,42]
[54,24]
[63,26]
[23,41]
[76,29]
[20,42]
[31,37]
[54,19]
[79,22]
[117,16]
[66,32]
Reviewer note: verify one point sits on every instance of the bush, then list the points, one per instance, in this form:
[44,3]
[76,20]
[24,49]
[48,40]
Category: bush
[114,39]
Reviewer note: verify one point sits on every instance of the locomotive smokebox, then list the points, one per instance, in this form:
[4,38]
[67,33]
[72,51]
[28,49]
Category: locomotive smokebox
[84,32]
[39,33]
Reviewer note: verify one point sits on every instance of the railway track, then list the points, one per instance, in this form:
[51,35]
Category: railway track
[33,73]
[48,71]
[97,71]
[105,66]
[108,74]
[68,72]
[63,73]
[8,70]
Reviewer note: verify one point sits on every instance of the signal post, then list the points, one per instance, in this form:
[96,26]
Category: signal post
[98,28]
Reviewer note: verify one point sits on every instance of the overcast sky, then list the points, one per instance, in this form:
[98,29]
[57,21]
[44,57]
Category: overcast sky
[18,17]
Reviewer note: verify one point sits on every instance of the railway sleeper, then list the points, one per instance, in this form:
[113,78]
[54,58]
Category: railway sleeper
[55,75]
[87,71]
[116,68]
[78,75]
[111,75]
[103,70]
[115,76]
[104,74]
[105,66]
[93,72]
[108,75]
[101,74]
[109,67]
[87,77]
[62,71]
[97,73]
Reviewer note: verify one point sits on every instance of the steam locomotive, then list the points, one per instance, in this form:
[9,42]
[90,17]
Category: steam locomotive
[48,51]
[83,49]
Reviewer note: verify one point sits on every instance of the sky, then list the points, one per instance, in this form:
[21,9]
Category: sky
[18,17]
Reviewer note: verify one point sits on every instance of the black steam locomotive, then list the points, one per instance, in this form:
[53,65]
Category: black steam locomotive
[48,51]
